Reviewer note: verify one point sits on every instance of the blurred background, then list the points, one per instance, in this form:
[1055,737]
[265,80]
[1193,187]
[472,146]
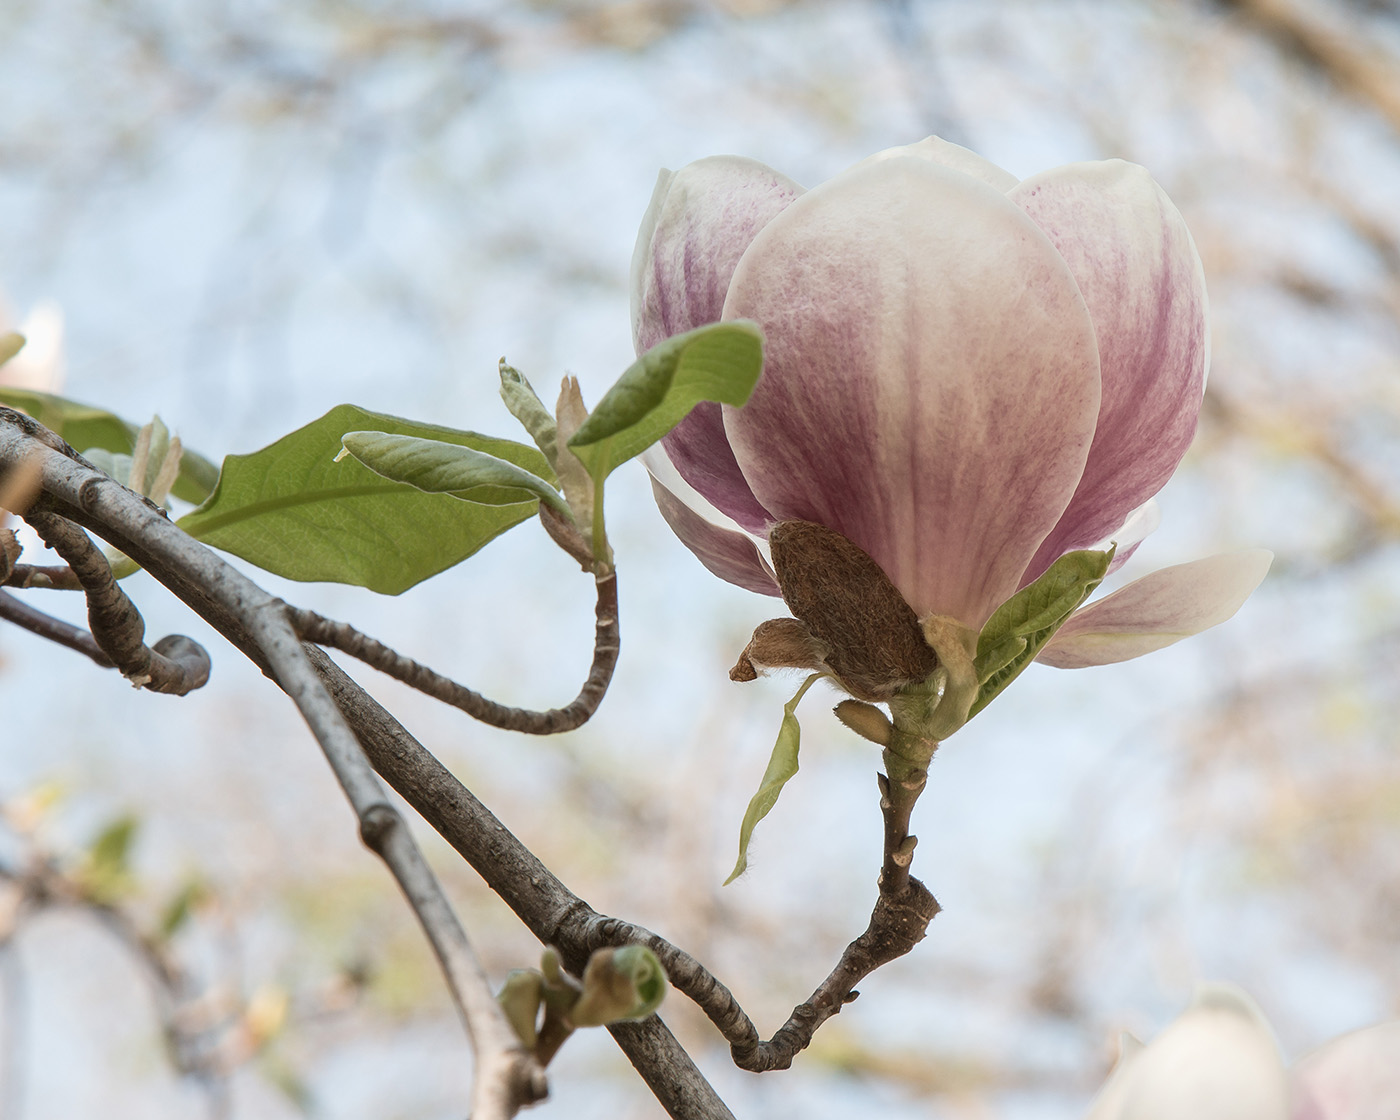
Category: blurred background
[239,213]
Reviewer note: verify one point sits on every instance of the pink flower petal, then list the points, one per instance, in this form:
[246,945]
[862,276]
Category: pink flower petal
[931,379]
[1136,528]
[700,221]
[699,448]
[1136,265]
[1355,1077]
[937,150]
[728,553]
[1158,610]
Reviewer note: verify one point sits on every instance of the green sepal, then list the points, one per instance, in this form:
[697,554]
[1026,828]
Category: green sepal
[720,362]
[291,509]
[436,467]
[1020,627]
[525,405]
[782,765]
[85,426]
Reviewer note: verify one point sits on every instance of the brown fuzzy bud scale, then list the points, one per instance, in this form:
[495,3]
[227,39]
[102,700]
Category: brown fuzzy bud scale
[875,646]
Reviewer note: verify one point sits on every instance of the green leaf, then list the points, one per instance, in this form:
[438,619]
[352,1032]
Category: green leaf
[525,405]
[290,508]
[782,765]
[106,874]
[647,974]
[436,467]
[1020,627]
[720,362]
[85,426]
[11,343]
[181,905]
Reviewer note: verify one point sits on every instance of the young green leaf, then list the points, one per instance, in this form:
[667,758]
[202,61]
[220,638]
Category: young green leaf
[84,426]
[782,765]
[436,467]
[525,405]
[106,871]
[1020,627]
[619,985]
[720,362]
[290,508]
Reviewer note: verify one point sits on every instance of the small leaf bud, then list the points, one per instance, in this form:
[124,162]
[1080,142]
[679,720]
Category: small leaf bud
[865,720]
[627,983]
[520,999]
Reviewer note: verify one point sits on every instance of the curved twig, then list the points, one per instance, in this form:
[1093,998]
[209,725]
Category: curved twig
[73,491]
[558,917]
[175,665]
[47,577]
[339,635]
[547,907]
[54,629]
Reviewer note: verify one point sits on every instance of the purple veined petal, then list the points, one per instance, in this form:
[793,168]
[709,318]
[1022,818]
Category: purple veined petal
[1355,1077]
[1158,610]
[700,221]
[717,542]
[1135,263]
[931,379]
[937,150]
[1218,1060]
[699,449]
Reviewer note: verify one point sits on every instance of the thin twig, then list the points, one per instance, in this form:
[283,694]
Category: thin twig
[48,577]
[551,911]
[560,918]
[1349,56]
[506,1076]
[175,664]
[338,635]
[54,629]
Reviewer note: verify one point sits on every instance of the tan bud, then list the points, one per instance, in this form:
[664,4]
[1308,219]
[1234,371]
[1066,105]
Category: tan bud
[874,643]
[780,643]
[865,720]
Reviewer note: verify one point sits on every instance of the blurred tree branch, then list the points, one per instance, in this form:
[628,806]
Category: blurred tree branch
[1331,43]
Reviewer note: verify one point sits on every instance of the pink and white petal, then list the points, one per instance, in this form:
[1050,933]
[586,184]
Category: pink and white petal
[1158,610]
[1136,528]
[1355,1077]
[931,379]
[700,451]
[700,221]
[1135,263]
[938,150]
[731,555]
[1217,1061]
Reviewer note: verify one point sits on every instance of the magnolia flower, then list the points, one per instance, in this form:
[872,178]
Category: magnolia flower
[1219,1060]
[966,376]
